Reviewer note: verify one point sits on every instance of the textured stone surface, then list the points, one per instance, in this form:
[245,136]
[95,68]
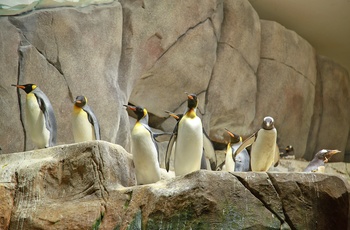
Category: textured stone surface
[286,89]
[91,184]
[63,186]
[66,52]
[332,115]
[231,98]
[141,52]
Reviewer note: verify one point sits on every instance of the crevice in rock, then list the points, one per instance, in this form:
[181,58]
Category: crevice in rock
[96,159]
[212,70]
[289,66]
[181,36]
[19,77]
[258,196]
[56,65]
[234,48]
[275,185]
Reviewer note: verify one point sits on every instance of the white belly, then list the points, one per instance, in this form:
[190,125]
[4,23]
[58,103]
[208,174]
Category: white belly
[263,150]
[145,156]
[189,146]
[229,163]
[35,122]
[83,130]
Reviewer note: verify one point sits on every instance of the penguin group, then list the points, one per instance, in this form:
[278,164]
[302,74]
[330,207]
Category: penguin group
[41,121]
[190,146]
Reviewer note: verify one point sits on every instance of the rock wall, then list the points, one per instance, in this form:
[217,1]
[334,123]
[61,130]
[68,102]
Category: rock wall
[141,52]
[90,185]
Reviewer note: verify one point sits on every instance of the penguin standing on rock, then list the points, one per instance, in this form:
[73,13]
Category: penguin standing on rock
[242,161]
[321,157]
[188,135]
[263,144]
[84,121]
[144,148]
[209,159]
[40,117]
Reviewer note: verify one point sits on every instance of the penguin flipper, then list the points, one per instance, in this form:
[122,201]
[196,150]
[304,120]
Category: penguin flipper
[161,137]
[209,151]
[93,120]
[203,161]
[169,150]
[50,119]
[247,142]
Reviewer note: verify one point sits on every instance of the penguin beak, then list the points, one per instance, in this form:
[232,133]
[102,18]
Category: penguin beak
[19,86]
[133,108]
[189,96]
[230,133]
[329,154]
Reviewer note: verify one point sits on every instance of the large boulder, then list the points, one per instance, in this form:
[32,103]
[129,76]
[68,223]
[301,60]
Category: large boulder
[66,52]
[169,53]
[91,185]
[286,84]
[63,186]
[230,100]
[332,112]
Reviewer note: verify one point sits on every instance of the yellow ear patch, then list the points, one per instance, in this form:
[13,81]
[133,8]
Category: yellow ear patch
[33,87]
[144,112]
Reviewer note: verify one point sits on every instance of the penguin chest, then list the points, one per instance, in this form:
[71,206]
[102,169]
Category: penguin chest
[145,155]
[263,150]
[189,146]
[35,122]
[83,130]
[229,163]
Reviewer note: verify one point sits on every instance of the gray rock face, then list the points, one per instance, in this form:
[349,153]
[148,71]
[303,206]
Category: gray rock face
[66,52]
[241,67]
[87,185]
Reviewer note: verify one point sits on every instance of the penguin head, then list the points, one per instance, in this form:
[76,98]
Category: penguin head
[268,123]
[325,154]
[289,149]
[234,138]
[138,110]
[192,101]
[27,88]
[80,101]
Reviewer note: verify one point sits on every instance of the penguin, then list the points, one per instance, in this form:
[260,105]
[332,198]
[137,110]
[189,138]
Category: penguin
[242,161]
[40,117]
[188,135]
[84,122]
[144,148]
[321,157]
[288,152]
[263,144]
[209,159]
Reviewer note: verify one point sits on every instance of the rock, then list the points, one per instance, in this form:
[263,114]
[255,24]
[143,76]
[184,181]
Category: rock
[332,117]
[67,52]
[286,89]
[230,102]
[169,41]
[308,200]
[87,185]
[61,186]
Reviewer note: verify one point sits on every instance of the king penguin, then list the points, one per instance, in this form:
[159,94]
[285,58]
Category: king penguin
[144,148]
[242,161]
[209,159]
[188,140]
[321,157]
[263,144]
[40,117]
[84,122]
